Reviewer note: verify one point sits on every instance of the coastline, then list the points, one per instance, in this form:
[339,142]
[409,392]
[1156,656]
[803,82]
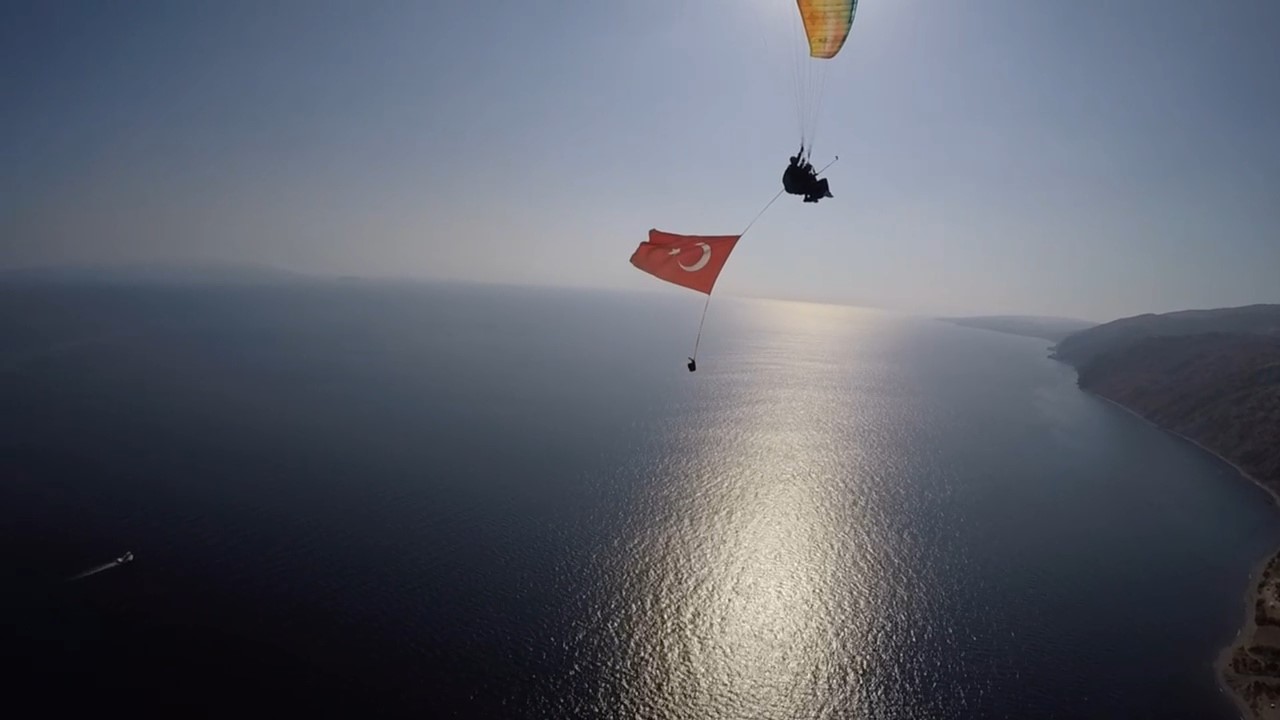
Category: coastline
[1245,637]
[1272,492]
[1261,585]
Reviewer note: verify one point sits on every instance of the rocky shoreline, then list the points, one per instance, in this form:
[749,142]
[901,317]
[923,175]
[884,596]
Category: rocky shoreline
[1249,668]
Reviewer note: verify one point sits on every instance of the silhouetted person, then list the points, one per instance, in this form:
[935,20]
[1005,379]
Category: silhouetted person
[801,179]
[817,190]
[794,179]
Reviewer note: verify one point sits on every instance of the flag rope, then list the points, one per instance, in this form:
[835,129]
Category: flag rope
[698,340]
[757,217]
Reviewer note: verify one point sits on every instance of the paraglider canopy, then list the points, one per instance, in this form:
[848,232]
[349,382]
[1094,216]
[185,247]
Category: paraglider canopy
[819,32]
[826,24]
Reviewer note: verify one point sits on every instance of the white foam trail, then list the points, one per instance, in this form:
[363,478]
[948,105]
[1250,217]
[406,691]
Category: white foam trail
[94,571]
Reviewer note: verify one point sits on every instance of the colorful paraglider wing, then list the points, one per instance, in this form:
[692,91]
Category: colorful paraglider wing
[827,23]
[692,261]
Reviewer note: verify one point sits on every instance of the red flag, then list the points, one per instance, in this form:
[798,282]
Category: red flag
[693,261]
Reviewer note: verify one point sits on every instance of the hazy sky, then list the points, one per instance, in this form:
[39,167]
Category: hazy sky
[1088,158]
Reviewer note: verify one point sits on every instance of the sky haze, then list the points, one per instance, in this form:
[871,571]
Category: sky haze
[1090,159]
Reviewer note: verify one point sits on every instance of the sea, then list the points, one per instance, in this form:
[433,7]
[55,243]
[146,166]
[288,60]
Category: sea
[348,498]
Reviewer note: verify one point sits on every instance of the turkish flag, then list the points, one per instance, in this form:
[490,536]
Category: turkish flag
[693,261]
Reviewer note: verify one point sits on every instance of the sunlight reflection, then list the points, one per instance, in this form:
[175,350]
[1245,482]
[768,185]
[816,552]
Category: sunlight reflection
[743,599]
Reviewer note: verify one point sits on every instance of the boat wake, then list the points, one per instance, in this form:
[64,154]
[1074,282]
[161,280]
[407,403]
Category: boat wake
[126,558]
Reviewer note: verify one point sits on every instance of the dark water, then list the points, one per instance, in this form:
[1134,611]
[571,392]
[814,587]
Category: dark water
[506,503]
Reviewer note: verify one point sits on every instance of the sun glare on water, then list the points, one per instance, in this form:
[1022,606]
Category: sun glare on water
[741,599]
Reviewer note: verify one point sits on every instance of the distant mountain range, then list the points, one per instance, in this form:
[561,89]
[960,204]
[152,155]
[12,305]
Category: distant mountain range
[1212,376]
[154,273]
[1052,329]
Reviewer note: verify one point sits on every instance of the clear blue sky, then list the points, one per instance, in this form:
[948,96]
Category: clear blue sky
[1089,158]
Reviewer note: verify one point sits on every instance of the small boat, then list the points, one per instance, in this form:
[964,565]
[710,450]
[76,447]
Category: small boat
[127,557]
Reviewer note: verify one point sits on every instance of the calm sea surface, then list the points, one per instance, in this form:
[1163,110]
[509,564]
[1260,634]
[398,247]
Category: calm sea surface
[511,503]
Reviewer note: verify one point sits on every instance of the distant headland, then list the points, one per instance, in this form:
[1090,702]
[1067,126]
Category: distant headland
[1211,376]
[1052,329]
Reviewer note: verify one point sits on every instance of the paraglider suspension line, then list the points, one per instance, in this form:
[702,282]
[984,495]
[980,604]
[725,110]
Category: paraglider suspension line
[698,340]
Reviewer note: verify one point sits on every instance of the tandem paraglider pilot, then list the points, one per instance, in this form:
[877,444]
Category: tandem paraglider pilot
[801,179]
